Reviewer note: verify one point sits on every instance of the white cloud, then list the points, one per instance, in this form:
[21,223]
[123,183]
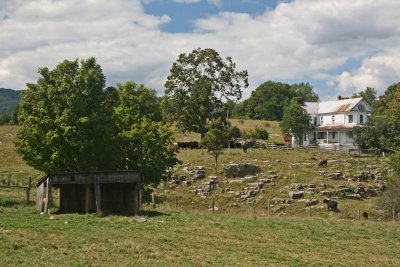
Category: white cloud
[299,40]
[186,1]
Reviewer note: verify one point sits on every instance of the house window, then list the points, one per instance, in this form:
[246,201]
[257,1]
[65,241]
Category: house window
[333,119]
[321,135]
[361,107]
[350,118]
[315,120]
[361,119]
[305,136]
[321,119]
[334,135]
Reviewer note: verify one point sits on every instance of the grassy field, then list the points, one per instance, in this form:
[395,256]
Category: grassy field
[272,128]
[182,231]
[171,238]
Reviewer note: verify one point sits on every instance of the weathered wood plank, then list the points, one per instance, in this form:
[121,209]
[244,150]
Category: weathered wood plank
[87,198]
[40,191]
[97,192]
[49,197]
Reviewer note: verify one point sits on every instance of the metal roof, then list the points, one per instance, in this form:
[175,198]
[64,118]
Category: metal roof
[336,106]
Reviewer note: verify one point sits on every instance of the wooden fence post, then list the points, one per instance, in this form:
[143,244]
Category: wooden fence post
[28,190]
[140,199]
[310,210]
[176,202]
[269,207]
[359,215]
[394,215]
[213,204]
[153,202]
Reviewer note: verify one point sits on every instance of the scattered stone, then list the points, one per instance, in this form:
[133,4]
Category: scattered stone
[336,176]
[240,169]
[371,192]
[353,196]
[296,195]
[294,165]
[326,193]
[280,207]
[296,186]
[206,188]
[237,181]
[198,173]
[278,200]
[309,202]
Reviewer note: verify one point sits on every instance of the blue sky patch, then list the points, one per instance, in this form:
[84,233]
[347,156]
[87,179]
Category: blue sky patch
[184,14]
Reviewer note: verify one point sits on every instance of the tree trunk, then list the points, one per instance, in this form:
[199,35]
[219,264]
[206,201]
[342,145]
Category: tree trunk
[216,161]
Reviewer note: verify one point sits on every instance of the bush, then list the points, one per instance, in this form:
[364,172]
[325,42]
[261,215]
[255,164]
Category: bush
[5,119]
[391,198]
[267,124]
[234,132]
[259,133]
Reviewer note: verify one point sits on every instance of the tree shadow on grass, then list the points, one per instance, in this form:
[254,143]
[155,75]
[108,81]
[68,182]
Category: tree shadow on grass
[9,203]
[152,213]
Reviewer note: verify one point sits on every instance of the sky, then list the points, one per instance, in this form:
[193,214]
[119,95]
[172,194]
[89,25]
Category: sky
[339,46]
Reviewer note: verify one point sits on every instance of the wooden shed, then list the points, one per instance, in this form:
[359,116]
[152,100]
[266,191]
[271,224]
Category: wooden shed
[85,192]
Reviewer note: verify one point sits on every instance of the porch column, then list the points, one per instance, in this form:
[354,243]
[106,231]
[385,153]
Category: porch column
[327,137]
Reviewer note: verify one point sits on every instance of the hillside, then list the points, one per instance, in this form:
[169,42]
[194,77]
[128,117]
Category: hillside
[182,230]
[8,100]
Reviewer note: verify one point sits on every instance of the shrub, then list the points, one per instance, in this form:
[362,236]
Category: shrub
[259,133]
[390,200]
[267,124]
[234,132]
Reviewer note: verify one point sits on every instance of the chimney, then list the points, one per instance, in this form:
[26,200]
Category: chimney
[339,97]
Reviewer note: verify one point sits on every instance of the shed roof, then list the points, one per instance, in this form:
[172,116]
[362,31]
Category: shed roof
[336,106]
[125,176]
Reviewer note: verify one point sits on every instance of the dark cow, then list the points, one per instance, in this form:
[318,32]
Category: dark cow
[332,205]
[323,163]
[188,145]
[365,215]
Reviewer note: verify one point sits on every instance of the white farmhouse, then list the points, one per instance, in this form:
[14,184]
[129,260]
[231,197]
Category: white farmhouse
[334,120]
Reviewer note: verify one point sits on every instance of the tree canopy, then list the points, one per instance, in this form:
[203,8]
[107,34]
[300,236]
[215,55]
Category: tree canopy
[65,122]
[269,100]
[369,95]
[198,85]
[146,142]
[70,122]
[295,120]
[216,139]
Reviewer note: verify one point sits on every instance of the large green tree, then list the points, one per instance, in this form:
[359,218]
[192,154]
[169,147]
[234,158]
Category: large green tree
[269,99]
[146,142]
[296,120]
[70,122]
[369,95]
[198,85]
[65,122]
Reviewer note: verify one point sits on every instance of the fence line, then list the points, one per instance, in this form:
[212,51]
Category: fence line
[26,188]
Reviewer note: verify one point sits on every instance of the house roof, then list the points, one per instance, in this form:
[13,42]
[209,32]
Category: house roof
[336,106]
[333,127]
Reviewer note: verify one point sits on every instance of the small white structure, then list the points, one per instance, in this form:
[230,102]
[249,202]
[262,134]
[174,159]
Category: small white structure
[334,121]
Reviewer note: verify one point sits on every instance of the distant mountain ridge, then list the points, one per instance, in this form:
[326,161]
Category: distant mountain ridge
[8,100]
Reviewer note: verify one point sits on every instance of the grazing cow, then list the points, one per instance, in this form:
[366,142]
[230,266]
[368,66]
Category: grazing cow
[323,163]
[332,205]
[365,215]
[245,147]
